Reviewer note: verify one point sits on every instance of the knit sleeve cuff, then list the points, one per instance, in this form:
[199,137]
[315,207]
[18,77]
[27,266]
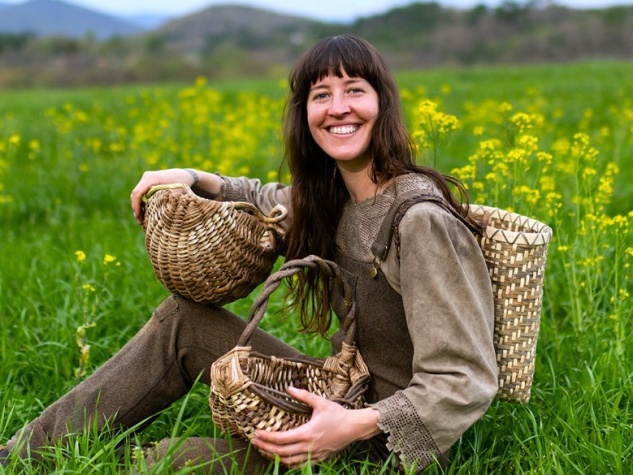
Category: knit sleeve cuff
[407,434]
[219,196]
[234,189]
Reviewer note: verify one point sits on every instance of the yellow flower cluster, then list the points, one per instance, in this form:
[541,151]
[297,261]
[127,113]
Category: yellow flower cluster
[199,127]
[523,162]
[433,126]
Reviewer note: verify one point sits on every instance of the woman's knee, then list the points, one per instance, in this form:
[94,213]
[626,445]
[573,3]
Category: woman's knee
[189,316]
[212,329]
[176,307]
[199,334]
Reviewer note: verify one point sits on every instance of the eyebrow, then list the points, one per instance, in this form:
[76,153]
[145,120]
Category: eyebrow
[347,83]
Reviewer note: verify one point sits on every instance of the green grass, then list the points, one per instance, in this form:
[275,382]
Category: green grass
[68,194]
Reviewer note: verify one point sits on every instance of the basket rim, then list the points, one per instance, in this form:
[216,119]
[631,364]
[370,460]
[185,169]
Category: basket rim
[540,233]
[277,214]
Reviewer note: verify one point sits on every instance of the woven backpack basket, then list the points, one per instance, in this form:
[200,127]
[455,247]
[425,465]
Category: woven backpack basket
[209,251]
[249,389]
[515,250]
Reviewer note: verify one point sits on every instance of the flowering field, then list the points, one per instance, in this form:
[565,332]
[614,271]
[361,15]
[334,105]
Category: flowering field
[552,142]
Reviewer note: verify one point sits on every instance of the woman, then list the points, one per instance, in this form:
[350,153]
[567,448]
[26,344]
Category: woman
[425,321]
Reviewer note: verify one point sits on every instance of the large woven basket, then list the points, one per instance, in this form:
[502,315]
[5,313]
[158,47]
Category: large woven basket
[515,250]
[249,389]
[209,251]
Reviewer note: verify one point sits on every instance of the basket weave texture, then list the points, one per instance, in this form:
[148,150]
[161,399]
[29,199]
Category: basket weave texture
[515,250]
[209,251]
[249,390]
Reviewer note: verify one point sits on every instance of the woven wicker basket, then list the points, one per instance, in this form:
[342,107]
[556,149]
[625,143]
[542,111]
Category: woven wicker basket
[209,251]
[515,250]
[248,389]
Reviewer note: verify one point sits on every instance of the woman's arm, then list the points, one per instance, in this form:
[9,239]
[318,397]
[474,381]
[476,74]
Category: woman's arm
[447,297]
[208,183]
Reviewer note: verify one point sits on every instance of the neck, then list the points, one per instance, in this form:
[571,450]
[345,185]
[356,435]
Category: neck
[358,183]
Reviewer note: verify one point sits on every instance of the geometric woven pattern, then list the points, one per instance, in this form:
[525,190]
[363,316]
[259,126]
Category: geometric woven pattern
[209,251]
[515,250]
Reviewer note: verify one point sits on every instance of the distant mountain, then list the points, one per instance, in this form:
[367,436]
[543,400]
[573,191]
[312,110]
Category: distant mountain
[56,17]
[240,26]
[147,21]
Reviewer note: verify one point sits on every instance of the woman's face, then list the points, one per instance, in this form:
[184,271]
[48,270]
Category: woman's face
[341,115]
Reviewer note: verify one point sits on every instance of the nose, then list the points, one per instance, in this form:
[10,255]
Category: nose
[339,105]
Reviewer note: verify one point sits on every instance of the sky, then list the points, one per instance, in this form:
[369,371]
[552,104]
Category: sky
[324,10]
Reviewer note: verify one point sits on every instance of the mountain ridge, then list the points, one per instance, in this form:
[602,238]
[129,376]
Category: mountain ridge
[60,18]
[239,25]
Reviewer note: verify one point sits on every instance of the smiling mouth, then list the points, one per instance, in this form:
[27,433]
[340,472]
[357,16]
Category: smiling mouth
[344,129]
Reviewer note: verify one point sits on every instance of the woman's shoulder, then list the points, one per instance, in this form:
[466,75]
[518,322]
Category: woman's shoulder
[415,182]
[426,215]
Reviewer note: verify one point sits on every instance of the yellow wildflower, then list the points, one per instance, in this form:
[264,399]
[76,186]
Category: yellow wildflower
[522,121]
[505,107]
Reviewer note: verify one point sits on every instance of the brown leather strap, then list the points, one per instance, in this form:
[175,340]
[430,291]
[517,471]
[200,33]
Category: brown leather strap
[380,247]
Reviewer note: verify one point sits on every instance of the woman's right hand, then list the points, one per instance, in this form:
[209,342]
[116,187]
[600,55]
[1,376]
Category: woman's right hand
[153,178]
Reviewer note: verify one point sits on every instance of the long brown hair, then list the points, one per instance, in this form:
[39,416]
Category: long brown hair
[318,192]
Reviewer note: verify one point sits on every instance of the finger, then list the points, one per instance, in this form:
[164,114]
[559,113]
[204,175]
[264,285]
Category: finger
[296,461]
[287,460]
[289,454]
[275,442]
[136,198]
[266,454]
[280,438]
[307,397]
[136,201]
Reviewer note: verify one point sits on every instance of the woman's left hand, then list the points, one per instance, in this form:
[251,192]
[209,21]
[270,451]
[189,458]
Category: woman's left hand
[330,429]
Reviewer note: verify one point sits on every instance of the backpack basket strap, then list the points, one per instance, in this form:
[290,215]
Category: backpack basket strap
[380,247]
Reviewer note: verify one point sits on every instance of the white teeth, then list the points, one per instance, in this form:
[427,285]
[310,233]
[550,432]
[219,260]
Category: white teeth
[344,129]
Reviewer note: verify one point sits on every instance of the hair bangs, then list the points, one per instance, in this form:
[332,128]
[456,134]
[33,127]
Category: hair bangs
[333,57]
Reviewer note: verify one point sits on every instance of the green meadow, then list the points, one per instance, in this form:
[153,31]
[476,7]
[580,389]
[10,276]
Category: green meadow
[551,142]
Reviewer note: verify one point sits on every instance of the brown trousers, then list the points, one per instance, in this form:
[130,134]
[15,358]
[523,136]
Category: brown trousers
[154,369]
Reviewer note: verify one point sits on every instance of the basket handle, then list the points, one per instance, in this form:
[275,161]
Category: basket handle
[277,214]
[290,268]
[169,186]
